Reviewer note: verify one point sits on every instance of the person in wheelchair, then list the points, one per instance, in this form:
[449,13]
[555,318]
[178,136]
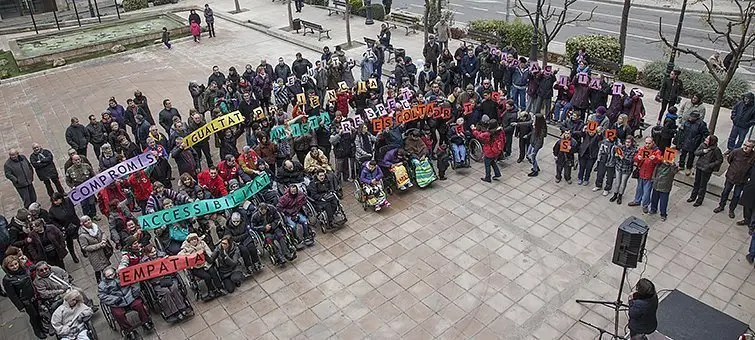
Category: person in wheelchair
[172,236]
[229,169]
[457,135]
[414,146]
[269,194]
[227,257]
[204,222]
[70,319]
[267,221]
[393,161]
[237,228]
[291,206]
[290,173]
[323,194]
[371,177]
[52,282]
[205,271]
[169,295]
[316,160]
[120,299]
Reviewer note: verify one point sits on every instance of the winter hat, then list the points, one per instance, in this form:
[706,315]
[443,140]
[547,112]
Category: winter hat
[601,110]
[485,118]
[22,214]
[233,182]
[470,87]
[34,206]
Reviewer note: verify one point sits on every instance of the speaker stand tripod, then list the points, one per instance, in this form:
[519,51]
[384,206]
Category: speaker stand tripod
[615,305]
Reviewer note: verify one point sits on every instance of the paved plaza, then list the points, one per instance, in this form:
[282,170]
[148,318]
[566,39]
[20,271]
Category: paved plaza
[460,259]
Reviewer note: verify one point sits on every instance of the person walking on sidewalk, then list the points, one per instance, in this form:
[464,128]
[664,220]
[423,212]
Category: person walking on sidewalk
[740,160]
[209,18]
[166,37]
[196,31]
[709,161]
[300,4]
[646,159]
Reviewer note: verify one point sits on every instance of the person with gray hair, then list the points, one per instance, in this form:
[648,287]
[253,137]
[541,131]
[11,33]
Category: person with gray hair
[121,298]
[69,320]
[20,172]
[97,247]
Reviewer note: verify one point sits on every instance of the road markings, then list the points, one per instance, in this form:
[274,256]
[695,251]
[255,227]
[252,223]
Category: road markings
[479,9]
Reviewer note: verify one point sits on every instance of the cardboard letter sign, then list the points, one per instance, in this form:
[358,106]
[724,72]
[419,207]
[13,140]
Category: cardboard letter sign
[343,86]
[616,89]
[610,134]
[496,95]
[405,104]
[592,126]
[314,101]
[669,155]
[391,104]
[468,108]
[373,84]
[331,95]
[620,152]
[565,145]
[446,113]
[259,114]
[361,87]
[595,83]
[159,267]
[370,113]
[563,80]
[645,153]
[301,99]
[381,110]
[583,78]
[291,80]
[459,129]
[549,69]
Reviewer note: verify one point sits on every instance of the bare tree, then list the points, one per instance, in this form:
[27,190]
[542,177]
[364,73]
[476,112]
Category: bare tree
[736,34]
[551,19]
[623,29]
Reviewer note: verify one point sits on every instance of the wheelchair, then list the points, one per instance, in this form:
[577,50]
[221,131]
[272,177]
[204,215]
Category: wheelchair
[270,250]
[129,333]
[465,162]
[339,218]
[89,327]
[153,301]
[48,307]
[411,170]
[474,150]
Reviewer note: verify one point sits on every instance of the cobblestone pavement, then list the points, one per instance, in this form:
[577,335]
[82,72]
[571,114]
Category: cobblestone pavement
[460,259]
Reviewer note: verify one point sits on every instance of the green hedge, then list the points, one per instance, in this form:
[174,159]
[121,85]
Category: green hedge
[378,12]
[604,47]
[627,74]
[133,5]
[517,32]
[698,82]
[163,2]
[316,2]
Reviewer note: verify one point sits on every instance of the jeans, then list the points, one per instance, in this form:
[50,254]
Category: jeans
[701,185]
[689,157]
[751,253]
[459,151]
[737,136]
[585,168]
[643,192]
[607,173]
[734,198]
[564,167]
[620,185]
[298,219]
[559,111]
[657,199]
[532,157]
[89,207]
[491,162]
[278,234]
[211,28]
[519,96]
[300,3]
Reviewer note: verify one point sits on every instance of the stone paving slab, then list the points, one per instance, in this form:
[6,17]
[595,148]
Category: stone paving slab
[461,259]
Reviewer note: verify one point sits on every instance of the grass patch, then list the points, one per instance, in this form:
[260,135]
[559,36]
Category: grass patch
[10,69]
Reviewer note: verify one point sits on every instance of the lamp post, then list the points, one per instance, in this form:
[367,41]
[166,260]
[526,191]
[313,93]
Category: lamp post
[533,44]
[368,12]
[672,58]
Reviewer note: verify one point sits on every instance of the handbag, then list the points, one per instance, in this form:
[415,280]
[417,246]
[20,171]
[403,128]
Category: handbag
[108,249]
[636,173]
[658,98]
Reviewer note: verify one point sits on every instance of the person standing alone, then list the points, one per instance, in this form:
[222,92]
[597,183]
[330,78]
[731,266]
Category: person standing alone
[209,18]
[19,171]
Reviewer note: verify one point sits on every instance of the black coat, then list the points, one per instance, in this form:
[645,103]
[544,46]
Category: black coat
[748,193]
[97,133]
[19,172]
[642,319]
[689,137]
[19,288]
[77,136]
[43,163]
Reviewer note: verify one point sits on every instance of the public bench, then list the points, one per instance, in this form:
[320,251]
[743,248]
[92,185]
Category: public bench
[405,20]
[313,27]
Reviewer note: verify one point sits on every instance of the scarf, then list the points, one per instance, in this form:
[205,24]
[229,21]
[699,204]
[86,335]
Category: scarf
[92,231]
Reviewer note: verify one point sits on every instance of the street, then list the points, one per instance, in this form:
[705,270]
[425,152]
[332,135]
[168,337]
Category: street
[643,43]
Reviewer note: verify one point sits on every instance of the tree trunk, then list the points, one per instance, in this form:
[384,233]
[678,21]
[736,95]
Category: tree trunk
[238,7]
[719,99]
[427,14]
[348,23]
[545,54]
[623,29]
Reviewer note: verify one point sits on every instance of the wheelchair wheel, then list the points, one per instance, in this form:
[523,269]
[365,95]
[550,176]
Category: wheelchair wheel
[358,195]
[259,243]
[451,159]
[184,293]
[150,297]
[194,286]
[108,317]
[475,150]
[91,331]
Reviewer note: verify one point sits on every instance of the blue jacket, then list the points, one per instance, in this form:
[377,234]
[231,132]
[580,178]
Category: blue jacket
[368,176]
[520,77]
[469,65]
[742,115]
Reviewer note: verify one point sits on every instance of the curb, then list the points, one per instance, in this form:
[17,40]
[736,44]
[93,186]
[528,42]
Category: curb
[661,8]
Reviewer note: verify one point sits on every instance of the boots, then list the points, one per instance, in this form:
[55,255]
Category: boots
[614,197]
[618,199]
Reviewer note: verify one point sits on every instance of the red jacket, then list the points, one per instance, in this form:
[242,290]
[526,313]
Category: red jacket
[490,148]
[342,102]
[226,172]
[112,192]
[647,165]
[140,185]
[215,186]
[248,161]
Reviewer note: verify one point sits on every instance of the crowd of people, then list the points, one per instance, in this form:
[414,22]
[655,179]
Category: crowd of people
[493,94]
